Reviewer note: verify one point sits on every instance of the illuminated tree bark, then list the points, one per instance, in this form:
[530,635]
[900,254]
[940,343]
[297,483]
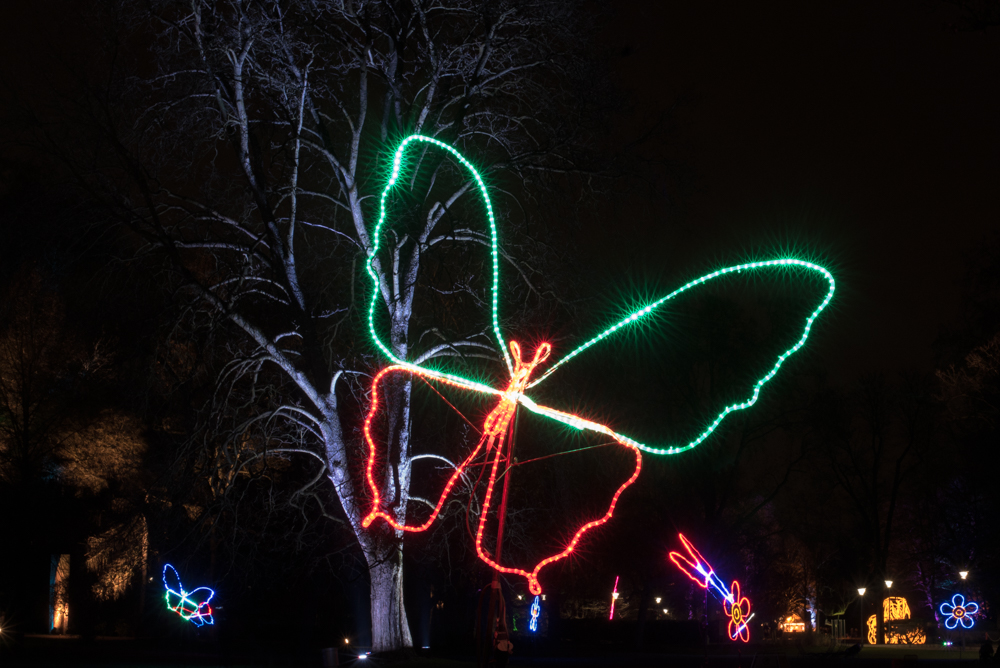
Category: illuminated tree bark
[254,153]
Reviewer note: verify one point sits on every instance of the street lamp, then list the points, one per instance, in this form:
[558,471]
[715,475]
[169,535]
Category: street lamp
[658,599]
[888,584]
[963,574]
[861,616]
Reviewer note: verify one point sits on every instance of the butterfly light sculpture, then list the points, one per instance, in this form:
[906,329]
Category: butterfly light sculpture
[736,606]
[193,606]
[523,373]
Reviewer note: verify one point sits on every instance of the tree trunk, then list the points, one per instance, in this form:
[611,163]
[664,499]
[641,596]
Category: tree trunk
[390,630]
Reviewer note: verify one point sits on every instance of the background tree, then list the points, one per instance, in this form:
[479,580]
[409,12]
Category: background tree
[254,146]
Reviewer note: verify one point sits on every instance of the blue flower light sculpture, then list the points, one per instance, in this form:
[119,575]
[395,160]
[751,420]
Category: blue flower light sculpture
[536,609]
[959,612]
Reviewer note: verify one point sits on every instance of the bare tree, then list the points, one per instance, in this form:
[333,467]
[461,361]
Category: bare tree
[254,147]
[877,445]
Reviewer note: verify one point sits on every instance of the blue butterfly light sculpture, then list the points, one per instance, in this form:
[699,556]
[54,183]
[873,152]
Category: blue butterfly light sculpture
[192,606]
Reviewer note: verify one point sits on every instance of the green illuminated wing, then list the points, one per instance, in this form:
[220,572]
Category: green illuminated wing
[405,149]
[640,314]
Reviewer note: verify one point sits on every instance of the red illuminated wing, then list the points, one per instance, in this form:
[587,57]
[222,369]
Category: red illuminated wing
[492,444]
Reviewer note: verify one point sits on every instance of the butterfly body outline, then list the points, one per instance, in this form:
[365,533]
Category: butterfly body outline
[515,395]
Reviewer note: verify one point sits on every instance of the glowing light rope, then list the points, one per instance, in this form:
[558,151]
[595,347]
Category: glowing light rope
[495,430]
[959,612]
[614,597]
[736,606]
[536,610]
[397,163]
[739,614]
[192,606]
[634,317]
[497,422]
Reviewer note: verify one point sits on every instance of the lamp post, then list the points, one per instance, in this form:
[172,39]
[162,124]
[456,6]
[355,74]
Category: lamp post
[861,607]
[881,615]
[963,575]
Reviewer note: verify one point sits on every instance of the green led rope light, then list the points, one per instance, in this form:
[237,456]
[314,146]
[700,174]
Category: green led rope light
[643,312]
[567,418]
[396,164]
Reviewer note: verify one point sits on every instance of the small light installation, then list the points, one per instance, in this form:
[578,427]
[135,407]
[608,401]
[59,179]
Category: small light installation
[193,606]
[614,597]
[896,609]
[739,614]
[736,606]
[536,610]
[958,611]
[497,422]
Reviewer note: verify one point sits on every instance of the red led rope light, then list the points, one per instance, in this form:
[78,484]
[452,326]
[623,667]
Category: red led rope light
[494,436]
[377,500]
[739,614]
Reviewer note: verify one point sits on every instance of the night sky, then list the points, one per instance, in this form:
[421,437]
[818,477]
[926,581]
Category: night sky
[864,134]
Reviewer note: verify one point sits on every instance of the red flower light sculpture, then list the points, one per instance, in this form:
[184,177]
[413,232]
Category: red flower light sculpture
[739,614]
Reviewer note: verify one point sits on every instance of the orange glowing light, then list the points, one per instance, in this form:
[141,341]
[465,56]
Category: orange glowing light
[895,609]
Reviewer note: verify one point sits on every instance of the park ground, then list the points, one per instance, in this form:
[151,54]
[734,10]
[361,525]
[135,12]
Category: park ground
[42,651]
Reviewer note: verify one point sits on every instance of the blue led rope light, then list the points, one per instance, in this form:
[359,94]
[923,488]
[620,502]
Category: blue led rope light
[958,611]
[536,610]
[192,606]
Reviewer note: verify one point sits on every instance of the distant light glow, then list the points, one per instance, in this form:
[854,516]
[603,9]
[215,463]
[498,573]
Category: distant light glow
[958,611]
[192,606]
[536,610]
[963,574]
